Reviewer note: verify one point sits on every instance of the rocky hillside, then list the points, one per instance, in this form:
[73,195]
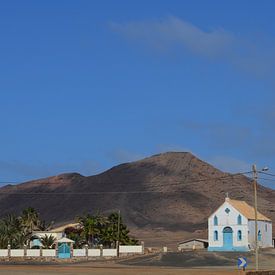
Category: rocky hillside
[163,198]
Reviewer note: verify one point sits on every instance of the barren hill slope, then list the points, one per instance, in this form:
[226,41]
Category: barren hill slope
[163,198]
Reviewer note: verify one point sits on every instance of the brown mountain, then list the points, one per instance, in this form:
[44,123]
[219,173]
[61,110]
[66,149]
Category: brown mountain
[163,198]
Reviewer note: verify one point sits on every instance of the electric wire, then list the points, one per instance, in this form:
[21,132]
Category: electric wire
[266,179]
[268,174]
[125,192]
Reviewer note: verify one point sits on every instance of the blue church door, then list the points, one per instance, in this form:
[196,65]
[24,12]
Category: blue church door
[228,238]
[64,251]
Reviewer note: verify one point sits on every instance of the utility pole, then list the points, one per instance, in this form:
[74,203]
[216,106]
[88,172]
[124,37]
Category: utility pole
[118,226]
[255,177]
[118,232]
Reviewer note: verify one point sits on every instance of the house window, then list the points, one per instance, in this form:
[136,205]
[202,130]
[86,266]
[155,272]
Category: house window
[239,235]
[259,235]
[215,220]
[239,219]
[227,210]
[216,237]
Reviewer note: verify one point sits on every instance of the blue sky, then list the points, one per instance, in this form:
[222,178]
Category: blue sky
[85,85]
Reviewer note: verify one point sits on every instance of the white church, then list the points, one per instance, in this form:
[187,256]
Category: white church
[232,228]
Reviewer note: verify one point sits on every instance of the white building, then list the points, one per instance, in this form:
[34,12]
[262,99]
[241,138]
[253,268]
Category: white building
[193,244]
[232,228]
[57,233]
[37,235]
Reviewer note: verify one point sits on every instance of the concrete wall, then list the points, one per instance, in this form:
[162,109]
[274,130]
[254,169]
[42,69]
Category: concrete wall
[4,252]
[79,252]
[94,252]
[109,252]
[33,253]
[48,253]
[17,252]
[130,249]
[227,219]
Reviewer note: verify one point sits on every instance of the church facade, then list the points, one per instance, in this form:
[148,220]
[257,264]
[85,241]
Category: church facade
[232,228]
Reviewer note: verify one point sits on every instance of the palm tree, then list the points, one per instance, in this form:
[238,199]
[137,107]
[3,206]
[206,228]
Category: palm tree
[17,231]
[98,229]
[11,232]
[75,234]
[48,241]
[43,226]
[108,236]
[29,219]
[121,235]
[92,226]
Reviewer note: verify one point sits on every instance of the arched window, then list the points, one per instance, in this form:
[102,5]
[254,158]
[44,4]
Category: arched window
[259,235]
[239,219]
[216,236]
[239,235]
[215,220]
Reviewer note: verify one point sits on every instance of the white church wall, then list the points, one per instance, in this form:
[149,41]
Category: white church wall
[266,232]
[227,219]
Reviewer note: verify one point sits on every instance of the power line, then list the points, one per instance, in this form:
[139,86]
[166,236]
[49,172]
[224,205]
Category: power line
[125,192]
[269,174]
[266,179]
[17,182]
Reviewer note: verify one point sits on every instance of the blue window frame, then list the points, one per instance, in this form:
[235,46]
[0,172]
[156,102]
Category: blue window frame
[259,235]
[215,220]
[239,235]
[239,219]
[216,236]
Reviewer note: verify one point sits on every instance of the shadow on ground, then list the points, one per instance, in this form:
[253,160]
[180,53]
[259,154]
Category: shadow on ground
[190,259]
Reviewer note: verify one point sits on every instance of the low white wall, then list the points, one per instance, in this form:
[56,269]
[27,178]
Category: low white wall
[130,249]
[17,252]
[4,252]
[48,252]
[33,252]
[76,252]
[79,252]
[109,252]
[93,252]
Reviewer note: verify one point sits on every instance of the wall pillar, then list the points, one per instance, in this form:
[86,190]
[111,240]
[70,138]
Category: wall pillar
[101,250]
[9,251]
[56,249]
[87,251]
[117,248]
[25,251]
[71,249]
[142,244]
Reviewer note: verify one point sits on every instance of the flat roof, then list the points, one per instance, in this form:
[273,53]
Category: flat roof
[191,240]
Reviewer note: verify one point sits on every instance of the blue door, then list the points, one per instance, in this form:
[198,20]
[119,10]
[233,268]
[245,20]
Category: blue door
[64,251]
[228,238]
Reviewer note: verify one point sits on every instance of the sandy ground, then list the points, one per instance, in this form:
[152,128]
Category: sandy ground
[184,263]
[112,270]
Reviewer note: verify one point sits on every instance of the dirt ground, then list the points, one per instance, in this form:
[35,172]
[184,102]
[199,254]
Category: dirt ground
[182,263]
[112,270]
